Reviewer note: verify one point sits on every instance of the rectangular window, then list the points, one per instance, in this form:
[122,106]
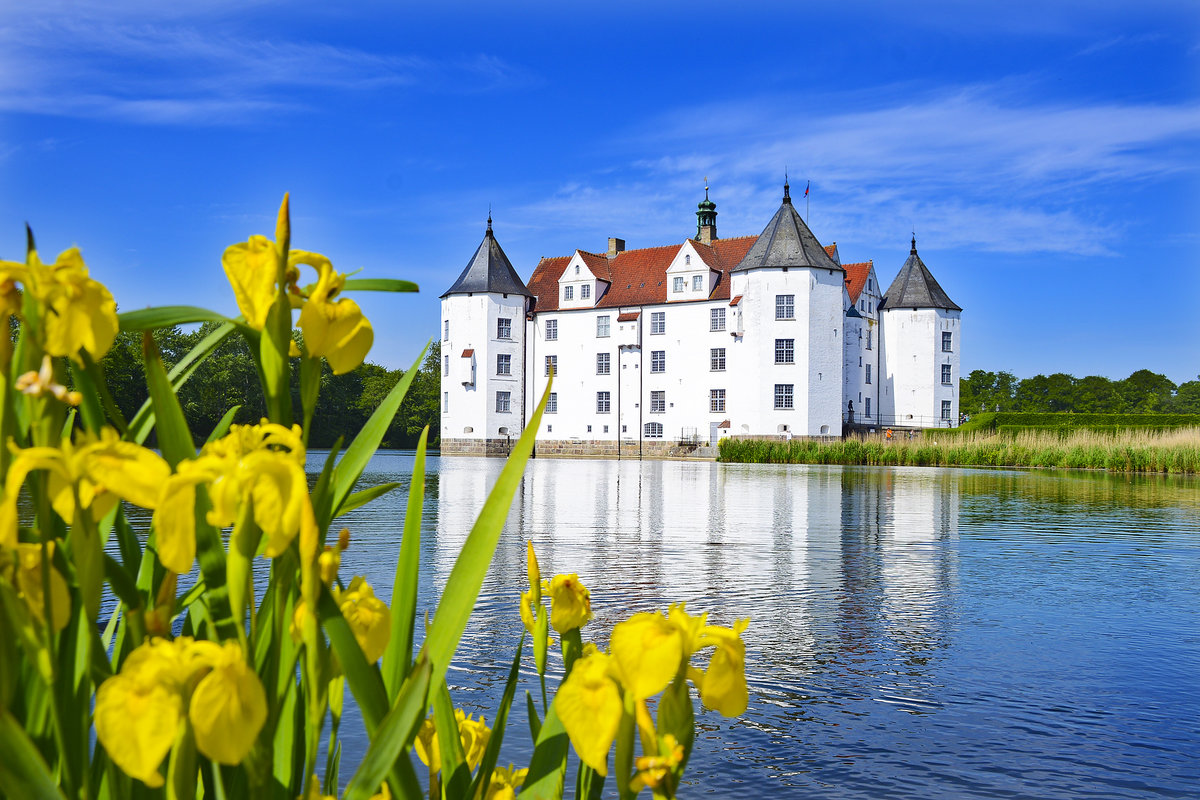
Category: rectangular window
[445,402]
[678,284]
[653,430]
[716,319]
[717,359]
[446,331]
[551,365]
[503,364]
[716,401]
[658,322]
[947,342]
[946,409]
[785,306]
[445,365]
[551,330]
[869,339]
[658,360]
[658,402]
[502,401]
[868,408]
[784,396]
[946,374]
[503,328]
[697,283]
[602,364]
[552,404]
[602,402]
[585,291]
[568,293]
[601,327]
[868,368]
[785,351]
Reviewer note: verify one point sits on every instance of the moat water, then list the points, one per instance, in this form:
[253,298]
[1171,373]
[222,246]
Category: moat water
[916,633]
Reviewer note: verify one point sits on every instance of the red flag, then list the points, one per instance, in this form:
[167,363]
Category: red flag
[806,188]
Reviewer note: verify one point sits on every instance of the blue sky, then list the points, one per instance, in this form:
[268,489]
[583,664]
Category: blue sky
[1046,153]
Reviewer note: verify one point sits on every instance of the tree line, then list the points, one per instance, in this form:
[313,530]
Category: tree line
[1143,392]
[228,378]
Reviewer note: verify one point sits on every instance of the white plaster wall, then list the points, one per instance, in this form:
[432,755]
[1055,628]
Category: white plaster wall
[473,327]
[912,355]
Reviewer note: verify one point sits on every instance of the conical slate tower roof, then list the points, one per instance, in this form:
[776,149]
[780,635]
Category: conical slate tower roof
[786,242]
[489,270]
[915,287]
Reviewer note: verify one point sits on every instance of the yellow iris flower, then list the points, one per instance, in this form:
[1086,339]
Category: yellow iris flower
[472,733]
[570,602]
[262,464]
[77,312]
[99,469]
[647,650]
[589,704]
[139,710]
[368,617]
[23,568]
[333,329]
[652,770]
[505,782]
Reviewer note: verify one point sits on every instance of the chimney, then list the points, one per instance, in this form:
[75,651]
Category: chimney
[615,246]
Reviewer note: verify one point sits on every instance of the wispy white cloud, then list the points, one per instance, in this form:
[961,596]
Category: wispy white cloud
[965,168]
[175,70]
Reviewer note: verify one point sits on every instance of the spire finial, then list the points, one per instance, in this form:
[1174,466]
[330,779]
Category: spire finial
[787,192]
[914,244]
[705,187]
[489,227]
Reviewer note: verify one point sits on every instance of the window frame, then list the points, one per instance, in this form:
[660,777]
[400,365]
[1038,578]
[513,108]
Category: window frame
[658,320]
[504,327]
[947,341]
[716,318]
[551,330]
[652,430]
[947,375]
[785,306]
[785,351]
[603,363]
[569,292]
[604,402]
[867,374]
[697,283]
[658,401]
[713,359]
[785,396]
[504,364]
[679,284]
[585,292]
[506,397]
[551,361]
[606,319]
[552,403]
[716,401]
[658,361]
[947,410]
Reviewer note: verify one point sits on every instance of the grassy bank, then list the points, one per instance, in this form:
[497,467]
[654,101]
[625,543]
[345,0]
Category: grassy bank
[1176,451]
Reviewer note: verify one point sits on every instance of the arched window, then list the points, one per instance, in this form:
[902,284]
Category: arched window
[687,259]
[653,430]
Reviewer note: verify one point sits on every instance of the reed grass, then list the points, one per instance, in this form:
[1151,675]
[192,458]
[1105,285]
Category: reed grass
[1173,451]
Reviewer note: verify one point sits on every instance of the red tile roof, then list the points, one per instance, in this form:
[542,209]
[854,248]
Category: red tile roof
[831,251]
[628,316]
[638,277]
[735,300]
[468,353]
[856,278]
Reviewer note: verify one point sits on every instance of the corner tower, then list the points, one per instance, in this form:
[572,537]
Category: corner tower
[483,354]
[706,218]
[920,336]
[790,312]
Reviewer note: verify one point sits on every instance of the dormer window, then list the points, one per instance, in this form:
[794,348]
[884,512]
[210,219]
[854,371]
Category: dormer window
[568,293]
[585,291]
[697,283]
[687,259]
[576,269]
[679,284]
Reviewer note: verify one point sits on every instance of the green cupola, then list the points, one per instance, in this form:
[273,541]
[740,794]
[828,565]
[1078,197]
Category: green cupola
[706,218]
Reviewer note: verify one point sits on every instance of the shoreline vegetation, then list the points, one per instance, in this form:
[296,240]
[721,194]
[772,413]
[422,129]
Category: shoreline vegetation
[1173,451]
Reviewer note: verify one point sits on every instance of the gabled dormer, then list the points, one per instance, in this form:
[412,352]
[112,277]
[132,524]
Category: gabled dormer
[689,276]
[583,282]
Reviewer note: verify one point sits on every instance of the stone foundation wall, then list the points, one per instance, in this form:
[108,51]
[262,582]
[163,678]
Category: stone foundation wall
[578,448]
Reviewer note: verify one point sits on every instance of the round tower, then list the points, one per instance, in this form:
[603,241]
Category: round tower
[483,354]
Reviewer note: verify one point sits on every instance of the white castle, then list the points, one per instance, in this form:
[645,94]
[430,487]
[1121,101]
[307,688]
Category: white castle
[666,349]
